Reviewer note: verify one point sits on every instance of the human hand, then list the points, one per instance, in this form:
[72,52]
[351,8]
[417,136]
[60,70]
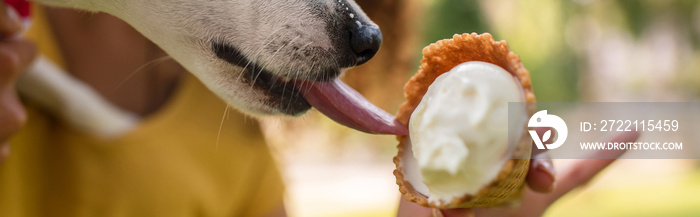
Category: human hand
[15,55]
[540,192]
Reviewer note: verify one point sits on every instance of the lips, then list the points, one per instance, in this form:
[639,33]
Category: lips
[284,94]
[334,98]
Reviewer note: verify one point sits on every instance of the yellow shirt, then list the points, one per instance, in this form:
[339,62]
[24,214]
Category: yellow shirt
[171,165]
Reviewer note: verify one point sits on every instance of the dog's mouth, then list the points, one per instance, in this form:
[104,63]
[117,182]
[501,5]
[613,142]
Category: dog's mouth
[326,93]
[283,93]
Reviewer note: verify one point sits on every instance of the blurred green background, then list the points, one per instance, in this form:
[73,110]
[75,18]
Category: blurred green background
[568,44]
[575,50]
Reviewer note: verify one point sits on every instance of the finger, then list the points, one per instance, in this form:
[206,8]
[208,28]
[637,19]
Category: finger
[15,56]
[584,170]
[541,176]
[12,114]
[10,23]
[535,203]
[408,209]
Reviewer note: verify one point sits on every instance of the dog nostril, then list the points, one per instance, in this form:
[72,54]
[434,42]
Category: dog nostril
[365,41]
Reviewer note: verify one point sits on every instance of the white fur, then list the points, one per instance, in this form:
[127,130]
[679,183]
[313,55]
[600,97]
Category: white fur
[265,31]
[185,28]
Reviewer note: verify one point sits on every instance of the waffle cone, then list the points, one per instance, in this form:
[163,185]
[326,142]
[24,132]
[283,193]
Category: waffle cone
[439,58]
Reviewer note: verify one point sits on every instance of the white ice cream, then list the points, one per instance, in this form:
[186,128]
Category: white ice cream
[459,131]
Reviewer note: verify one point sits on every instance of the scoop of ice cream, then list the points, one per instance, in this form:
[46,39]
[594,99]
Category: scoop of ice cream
[459,131]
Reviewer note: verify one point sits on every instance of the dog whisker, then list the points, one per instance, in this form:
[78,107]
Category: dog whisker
[305,47]
[151,63]
[260,50]
[221,125]
[308,88]
[291,94]
[240,74]
[272,57]
[284,89]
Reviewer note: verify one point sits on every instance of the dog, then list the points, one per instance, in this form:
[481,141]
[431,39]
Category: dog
[254,54]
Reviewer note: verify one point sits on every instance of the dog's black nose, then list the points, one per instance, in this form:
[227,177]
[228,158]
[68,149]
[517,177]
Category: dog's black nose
[365,41]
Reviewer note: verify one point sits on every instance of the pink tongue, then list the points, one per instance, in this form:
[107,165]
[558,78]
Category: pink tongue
[346,106]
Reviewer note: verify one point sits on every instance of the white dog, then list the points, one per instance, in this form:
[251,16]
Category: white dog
[260,56]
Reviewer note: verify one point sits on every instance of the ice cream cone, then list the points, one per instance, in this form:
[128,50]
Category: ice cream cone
[439,58]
